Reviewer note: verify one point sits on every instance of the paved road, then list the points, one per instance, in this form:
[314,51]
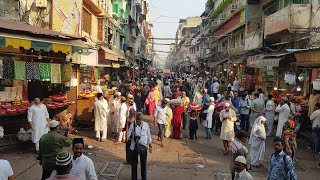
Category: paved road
[179,159]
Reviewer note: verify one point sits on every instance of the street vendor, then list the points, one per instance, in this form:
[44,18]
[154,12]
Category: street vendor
[38,118]
[194,116]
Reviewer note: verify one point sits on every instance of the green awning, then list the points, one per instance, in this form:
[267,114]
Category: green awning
[2,42]
[37,45]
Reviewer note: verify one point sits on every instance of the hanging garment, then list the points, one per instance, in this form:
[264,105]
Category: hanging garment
[55,73]
[45,71]
[8,69]
[19,70]
[33,71]
[1,68]
[66,72]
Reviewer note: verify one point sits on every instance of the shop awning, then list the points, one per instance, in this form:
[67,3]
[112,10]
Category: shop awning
[109,54]
[265,60]
[115,65]
[120,54]
[38,43]
[221,61]
[308,58]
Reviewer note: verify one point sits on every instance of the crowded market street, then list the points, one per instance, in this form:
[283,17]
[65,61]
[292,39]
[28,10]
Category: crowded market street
[180,160]
[159,90]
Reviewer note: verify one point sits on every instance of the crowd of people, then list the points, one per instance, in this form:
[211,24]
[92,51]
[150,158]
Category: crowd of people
[243,119]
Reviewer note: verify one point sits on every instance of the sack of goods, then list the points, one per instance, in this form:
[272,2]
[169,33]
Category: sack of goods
[176,101]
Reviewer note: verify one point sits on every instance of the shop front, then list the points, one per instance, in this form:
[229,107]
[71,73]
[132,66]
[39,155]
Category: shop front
[33,63]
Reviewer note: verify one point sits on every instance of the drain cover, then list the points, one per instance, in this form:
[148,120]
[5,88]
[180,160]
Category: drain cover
[110,171]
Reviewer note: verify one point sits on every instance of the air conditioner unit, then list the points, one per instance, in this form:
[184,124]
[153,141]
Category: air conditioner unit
[125,21]
[223,16]
[233,7]
[215,23]
[41,3]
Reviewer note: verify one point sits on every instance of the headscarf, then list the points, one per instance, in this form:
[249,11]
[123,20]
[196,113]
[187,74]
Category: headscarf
[219,97]
[258,126]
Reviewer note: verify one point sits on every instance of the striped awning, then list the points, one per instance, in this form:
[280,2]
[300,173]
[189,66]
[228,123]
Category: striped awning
[28,42]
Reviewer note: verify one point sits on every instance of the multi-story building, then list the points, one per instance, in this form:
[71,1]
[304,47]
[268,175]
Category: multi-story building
[184,35]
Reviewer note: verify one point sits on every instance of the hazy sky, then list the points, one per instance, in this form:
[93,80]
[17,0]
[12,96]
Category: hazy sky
[165,15]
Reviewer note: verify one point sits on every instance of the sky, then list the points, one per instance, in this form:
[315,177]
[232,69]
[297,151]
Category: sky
[165,15]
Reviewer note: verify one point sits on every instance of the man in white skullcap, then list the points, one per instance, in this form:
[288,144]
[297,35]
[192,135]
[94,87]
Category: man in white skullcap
[240,166]
[115,111]
[97,87]
[63,167]
[49,146]
[208,122]
[227,117]
[284,112]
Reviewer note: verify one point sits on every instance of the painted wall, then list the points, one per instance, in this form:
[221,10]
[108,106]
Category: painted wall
[25,11]
[67,17]
[231,23]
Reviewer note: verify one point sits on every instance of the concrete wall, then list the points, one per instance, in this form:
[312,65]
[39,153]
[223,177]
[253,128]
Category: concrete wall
[26,11]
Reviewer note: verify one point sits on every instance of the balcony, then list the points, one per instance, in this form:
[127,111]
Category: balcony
[289,19]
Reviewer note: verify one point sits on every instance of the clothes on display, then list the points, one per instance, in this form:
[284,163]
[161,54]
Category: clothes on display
[19,70]
[8,69]
[45,71]
[55,73]
[32,71]
[290,77]
[1,68]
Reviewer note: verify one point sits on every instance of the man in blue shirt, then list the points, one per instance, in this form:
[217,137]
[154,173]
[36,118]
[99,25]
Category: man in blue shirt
[236,101]
[281,166]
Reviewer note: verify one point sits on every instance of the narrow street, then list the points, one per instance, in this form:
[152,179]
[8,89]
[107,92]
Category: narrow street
[179,160]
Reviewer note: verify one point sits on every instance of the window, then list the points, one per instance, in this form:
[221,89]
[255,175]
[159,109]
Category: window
[100,29]
[86,21]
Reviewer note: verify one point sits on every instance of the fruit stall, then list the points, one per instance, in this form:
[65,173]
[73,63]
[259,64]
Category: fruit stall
[85,103]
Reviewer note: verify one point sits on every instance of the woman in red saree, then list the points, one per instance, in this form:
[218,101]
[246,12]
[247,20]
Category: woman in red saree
[151,101]
[177,120]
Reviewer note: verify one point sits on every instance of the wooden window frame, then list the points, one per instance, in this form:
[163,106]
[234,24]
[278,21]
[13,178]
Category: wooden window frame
[86,21]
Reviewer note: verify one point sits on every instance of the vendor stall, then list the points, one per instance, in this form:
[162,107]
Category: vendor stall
[33,63]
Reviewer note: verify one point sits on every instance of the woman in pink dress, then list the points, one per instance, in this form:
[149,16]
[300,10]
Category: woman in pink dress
[177,120]
[151,101]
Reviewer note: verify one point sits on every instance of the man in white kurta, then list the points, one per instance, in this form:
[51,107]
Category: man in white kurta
[227,117]
[101,111]
[115,110]
[38,118]
[122,120]
[82,166]
[284,111]
[208,122]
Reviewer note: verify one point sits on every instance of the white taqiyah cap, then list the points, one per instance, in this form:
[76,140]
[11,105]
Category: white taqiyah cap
[227,105]
[211,99]
[54,123]
[241,159]
[63,159]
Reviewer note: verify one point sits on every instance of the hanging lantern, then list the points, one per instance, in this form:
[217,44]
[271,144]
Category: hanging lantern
[301,77]
[298,88]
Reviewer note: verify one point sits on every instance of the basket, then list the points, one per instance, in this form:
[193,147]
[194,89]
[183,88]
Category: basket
[195,107]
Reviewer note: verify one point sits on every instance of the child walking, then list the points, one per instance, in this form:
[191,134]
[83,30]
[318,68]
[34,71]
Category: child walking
[194,117]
